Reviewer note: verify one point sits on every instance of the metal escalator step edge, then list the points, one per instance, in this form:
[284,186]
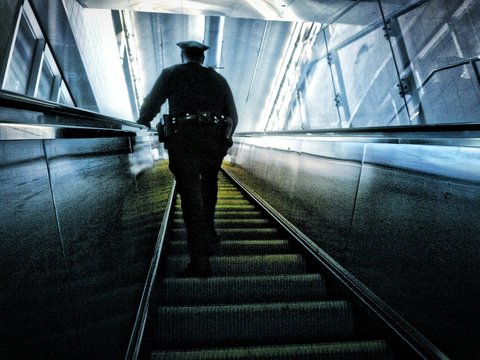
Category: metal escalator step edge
[245,289]
[355,350]
[226,202]
[230,223]
[254,324]
[239,247]
[277,264]
[225,207]
[232,234]
[230,196]
[220,214]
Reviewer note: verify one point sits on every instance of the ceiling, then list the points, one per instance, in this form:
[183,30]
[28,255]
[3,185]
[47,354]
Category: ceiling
[291,10]
[253,40]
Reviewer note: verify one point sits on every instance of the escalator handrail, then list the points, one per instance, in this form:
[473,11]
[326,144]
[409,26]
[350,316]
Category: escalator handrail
[453,130]
[135,343]
[10,99]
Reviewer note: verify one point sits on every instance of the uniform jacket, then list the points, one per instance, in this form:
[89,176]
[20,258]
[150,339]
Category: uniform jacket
[189,87]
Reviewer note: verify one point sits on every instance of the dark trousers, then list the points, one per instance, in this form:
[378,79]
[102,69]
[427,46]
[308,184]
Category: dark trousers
[196,178]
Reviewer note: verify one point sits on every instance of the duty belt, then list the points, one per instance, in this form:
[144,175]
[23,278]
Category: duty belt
[172,123]
[206,117]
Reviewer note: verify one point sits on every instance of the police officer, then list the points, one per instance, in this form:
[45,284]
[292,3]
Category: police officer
[202,118]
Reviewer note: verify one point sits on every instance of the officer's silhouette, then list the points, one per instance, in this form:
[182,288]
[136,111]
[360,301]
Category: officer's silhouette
[202,118]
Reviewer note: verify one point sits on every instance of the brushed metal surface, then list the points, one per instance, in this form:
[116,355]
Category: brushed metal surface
[34,292]
[401,217]
[71,258]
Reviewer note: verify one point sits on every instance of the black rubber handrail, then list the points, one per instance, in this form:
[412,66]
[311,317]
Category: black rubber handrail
[404,331]
[136,337]
[75,116]
[444,129]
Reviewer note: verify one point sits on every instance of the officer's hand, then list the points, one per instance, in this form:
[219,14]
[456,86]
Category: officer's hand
[144,122]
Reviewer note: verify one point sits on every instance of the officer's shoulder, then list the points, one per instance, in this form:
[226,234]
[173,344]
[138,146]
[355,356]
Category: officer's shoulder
[216,73]
[173,68]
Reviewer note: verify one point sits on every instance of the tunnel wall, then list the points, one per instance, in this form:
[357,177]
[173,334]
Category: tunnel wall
[73,256]
[402,218]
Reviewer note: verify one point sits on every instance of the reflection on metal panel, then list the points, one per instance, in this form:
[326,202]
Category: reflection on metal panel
[34,291]
[75,246]
[401,215]
[25,132]
[414,241]
[313,183]
[447,162]
[48,132]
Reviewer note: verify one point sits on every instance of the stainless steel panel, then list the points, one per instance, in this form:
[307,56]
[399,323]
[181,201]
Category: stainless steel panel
[415,237]
[93,186]
[403,218]
[73,256]
[312,183]
[448,162]
[34,296]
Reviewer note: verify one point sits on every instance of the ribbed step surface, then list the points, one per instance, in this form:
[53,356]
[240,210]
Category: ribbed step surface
[261,302]
[239,247]
[257,324]
[245,265]
[364,350]
[243,289]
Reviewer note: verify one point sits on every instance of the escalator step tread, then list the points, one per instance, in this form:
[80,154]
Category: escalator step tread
[220,202]
[233,233]
[358,350]
[240,214]
[239,247]
[276,264]
[259,324]
[230,223]
[226,207]
[245,289]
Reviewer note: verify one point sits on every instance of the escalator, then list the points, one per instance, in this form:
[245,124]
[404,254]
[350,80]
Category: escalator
[264,300]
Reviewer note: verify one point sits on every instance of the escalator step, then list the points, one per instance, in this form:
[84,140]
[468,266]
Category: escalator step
[246,289]
[361,350]
[224,207]
[261,302]
[230,195]
[229,223]
[254,324]
[244,265]
[219,214]
[220,202]
[227,234]
[225,215]
[239,247]
[229,214]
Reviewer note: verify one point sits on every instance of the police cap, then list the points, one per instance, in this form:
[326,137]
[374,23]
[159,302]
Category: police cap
[192,45]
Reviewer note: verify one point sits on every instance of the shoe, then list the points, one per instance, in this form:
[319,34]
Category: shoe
[197,269]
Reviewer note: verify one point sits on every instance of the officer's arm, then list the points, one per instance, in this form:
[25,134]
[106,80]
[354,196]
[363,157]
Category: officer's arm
[153,101]
[230,109]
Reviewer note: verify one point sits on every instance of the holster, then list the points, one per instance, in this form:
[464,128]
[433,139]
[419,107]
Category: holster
[162,129]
